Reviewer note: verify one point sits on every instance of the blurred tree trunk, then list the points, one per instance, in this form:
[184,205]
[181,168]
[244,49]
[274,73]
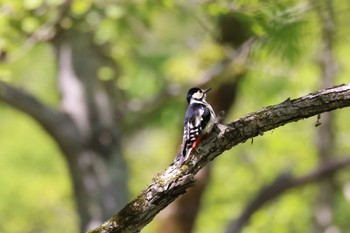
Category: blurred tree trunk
[93,153]
[180,216]
[325,132]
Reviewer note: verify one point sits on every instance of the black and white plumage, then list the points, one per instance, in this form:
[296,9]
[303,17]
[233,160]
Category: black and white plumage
[199,121]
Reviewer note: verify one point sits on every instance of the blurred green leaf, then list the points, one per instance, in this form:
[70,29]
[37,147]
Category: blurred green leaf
[30,24]
[32,4]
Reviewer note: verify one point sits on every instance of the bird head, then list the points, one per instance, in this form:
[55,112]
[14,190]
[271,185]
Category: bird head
[196,93]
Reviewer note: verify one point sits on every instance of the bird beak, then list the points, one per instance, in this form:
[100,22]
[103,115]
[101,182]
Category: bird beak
[207,90]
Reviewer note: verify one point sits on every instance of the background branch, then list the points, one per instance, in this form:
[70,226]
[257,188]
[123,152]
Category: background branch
[284,182]
[57,124]
[174,181]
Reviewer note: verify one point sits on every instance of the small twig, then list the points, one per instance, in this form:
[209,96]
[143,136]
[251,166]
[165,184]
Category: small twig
[318,122]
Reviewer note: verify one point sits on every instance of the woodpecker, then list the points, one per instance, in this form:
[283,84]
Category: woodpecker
[199,120]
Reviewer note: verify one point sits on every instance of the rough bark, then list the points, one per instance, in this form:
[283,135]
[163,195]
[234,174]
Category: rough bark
[174,181]
[181,214]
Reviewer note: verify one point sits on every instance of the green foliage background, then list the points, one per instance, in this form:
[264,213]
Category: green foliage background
[169,44]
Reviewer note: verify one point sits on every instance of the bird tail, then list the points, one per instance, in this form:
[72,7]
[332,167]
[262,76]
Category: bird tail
[181,156]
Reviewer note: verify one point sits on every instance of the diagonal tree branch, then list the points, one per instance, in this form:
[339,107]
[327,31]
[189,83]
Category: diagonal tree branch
[169,184]
[282,183]
[57,124]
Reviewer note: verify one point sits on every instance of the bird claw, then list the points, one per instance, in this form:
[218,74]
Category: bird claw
[220,116]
